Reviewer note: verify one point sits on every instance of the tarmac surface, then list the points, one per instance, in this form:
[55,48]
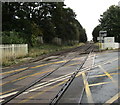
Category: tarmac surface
[103,80]
[97,81]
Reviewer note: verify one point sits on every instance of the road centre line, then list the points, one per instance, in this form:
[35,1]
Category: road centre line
[113,99]
[87,89]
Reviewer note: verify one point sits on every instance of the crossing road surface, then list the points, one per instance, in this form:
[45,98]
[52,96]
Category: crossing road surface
[78,76]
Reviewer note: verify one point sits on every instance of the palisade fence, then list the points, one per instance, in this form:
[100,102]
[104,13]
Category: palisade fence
[12,51]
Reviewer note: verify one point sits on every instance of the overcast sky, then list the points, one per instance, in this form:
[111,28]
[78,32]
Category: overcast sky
[88,12]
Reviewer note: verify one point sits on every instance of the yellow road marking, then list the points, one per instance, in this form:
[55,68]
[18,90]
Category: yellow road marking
[77,58]
[31,67]
[106,73]
[101,83]
[113,99]
[25,77]
[72,64]
[13,71]
[103,75]
[46,85]
[49,64]
[87,89]
[8,91]
[29,75]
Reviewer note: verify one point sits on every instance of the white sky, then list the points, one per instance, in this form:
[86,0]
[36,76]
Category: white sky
[88,12]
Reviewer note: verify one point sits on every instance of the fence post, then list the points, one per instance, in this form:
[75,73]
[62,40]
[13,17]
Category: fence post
[13,50]
[26,48]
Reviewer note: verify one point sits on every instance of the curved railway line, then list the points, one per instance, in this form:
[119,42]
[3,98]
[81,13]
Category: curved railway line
[44,81]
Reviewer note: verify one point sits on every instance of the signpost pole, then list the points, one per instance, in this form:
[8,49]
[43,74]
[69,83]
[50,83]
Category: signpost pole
[102,34]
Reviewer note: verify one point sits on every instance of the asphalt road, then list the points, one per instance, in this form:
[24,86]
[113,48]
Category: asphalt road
[97,81]
[103,80]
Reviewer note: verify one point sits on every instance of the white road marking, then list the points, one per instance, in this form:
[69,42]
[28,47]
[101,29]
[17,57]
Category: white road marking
[9,94]
[1,100]
[45,85]
[56,79]
[52,80]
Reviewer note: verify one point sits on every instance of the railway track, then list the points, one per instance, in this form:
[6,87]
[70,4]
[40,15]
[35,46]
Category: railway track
[71,77]
[68,83]
[84,48]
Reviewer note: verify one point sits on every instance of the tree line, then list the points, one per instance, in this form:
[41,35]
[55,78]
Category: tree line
[23,22]
[110,22]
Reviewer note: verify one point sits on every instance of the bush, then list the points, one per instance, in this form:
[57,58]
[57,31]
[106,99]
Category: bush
[12,38]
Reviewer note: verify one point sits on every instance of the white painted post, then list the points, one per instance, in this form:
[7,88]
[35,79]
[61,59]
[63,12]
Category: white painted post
[13,51]
[26,48]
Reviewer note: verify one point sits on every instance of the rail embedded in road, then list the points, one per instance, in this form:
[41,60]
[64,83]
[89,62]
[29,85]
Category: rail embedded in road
[38,80]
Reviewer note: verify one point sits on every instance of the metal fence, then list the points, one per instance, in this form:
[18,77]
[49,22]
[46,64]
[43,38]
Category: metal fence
[12,51]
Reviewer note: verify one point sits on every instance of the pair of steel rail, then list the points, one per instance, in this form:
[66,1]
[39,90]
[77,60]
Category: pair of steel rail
[61,92]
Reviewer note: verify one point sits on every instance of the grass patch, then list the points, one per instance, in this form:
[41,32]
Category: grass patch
[45,49]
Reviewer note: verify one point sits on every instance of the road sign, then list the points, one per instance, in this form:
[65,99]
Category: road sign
[102,33]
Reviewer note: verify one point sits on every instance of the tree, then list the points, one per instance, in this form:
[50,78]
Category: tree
[95,33]
[110,21]
[83,36]
[49,19]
